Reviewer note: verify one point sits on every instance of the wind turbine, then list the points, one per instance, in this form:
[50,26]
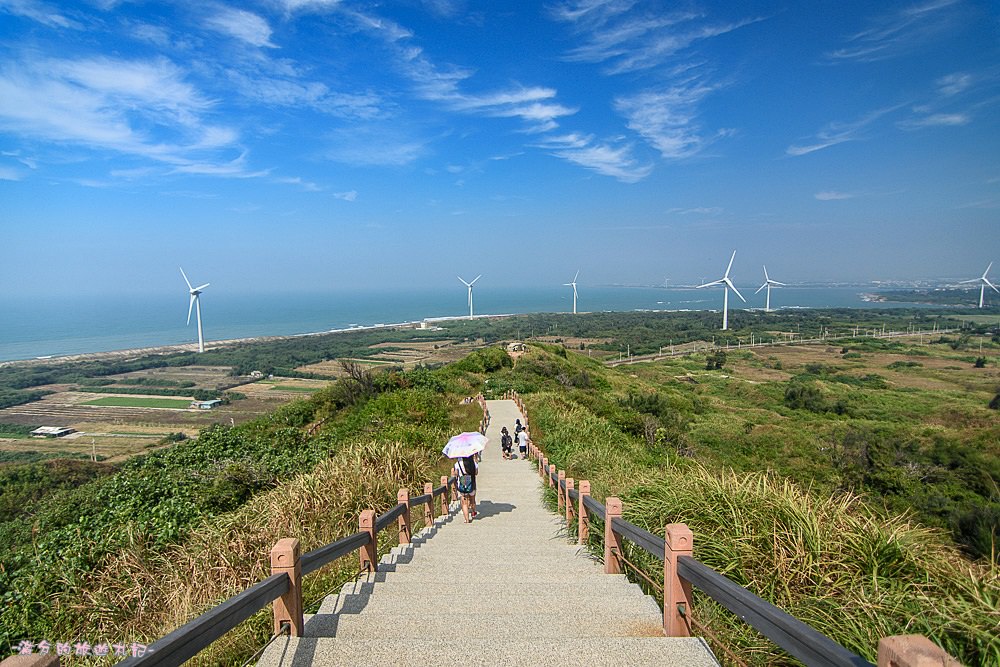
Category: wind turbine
[469,285]
[728,284]
[768,283]
[574,289]
[983,283]
[195,302]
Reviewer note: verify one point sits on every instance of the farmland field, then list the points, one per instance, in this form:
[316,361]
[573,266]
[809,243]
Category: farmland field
[141,402]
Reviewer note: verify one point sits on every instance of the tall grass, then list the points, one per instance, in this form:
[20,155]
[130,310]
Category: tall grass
[853,572]
[145,593]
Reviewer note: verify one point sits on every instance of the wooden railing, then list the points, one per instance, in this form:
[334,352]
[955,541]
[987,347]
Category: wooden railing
[283,589]
[682,572]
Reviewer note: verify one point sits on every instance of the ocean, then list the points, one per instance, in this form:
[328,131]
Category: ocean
[57,326]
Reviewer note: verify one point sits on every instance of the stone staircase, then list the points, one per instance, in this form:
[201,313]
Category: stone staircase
[506,589]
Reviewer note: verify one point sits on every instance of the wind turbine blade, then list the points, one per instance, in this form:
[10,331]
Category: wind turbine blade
[463,281]
[760,288]
[733,287]
[992,286]
[567,284]
[475,279]
[987,270]
[974,280]
[730,264]
[714,282]
[190,307]
[766,279]
[775,282]
[574,290]
[185,278]
[201,287]
[576,276]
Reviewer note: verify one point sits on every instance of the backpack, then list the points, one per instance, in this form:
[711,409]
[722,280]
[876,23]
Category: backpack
[464,480]
[506,440]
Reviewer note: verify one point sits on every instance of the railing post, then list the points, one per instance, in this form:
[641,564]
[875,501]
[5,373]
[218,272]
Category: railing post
[543,467]
[369,552]
[560,500]
[403,498]
[429,505]
[676,591]
[288,608]
[912,651]
[612,542]
[549,469]
[583,524]
[444,496]
[569,502]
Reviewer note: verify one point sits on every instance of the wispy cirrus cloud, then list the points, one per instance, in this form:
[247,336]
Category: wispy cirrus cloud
[956,101]
[894,34]
[839,132]
[668,118]
[135,107]
[833,195]
[349,195]
[630,38]
[604,158]
[42,12]
[241,24]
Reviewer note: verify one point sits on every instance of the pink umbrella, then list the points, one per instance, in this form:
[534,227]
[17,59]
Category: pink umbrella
[465,444]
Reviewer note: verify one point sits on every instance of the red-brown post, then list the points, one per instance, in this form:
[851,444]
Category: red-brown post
[676,591]
[549,469]
[569,502]
[429,505]
[444,496]
[403,498]
[369,552]
[612,541]
[912,651]
[288,608]
[543,467]
[583,524]
[560,494]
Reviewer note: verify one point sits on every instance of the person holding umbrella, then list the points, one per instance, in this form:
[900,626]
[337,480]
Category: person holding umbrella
[465,447]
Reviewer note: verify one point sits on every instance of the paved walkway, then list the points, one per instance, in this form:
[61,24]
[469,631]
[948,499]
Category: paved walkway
[506,589]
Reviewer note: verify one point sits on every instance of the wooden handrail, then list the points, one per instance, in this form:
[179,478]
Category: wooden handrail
[681,571]
[194,636]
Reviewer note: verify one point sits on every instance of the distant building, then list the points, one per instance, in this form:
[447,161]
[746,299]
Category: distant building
[256,375]
[206,405]
[516,347]
[52,431]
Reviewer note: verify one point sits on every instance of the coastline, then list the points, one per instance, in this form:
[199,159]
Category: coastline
[133,353]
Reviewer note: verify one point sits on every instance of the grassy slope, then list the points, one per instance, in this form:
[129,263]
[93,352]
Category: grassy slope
[838,560]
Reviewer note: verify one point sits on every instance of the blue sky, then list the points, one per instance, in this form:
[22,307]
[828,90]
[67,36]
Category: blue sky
[304,145]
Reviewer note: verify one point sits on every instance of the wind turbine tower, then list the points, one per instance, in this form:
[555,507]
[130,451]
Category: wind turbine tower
[469,285]
[768,283]
[728,285]
[196,304]
[574,289]
[984,282]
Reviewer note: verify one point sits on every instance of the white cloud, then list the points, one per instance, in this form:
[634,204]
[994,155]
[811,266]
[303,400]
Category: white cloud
[833,195]
[667,119]
[134,107]
[891,35]
[308,186]
[629,37]
[41,12]
[953,84]
[935,120]
[242,25]
[604,158]
[350,195]
[839,132]
[698,210]
[374,146]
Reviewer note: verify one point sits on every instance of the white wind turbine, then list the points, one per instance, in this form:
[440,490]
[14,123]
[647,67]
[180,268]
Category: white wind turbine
[196,304]
[469,285]
[728,284]
[573,284]
[983,283]
[768,283]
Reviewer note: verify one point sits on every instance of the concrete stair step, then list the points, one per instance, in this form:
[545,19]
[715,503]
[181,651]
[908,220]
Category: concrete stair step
[439,623]
[417,588]
[450,651]
[494,604]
